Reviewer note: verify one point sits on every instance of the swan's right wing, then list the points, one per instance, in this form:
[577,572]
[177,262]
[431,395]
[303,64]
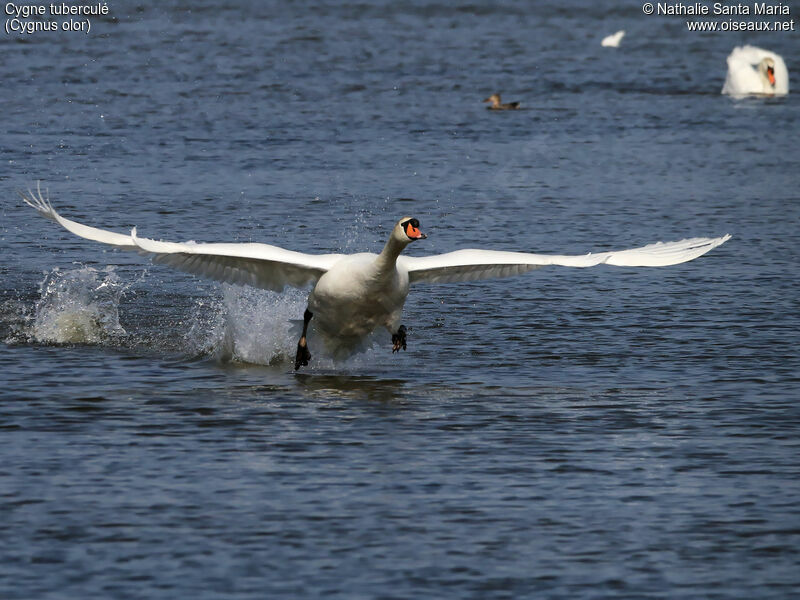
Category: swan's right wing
[471,265]
[258,265]
[43,206]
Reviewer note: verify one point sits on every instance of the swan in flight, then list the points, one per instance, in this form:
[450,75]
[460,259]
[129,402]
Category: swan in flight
[754,71]
[354,294]
[498,105]
[613,40]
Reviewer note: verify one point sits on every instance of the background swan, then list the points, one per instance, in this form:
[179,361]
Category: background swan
[354,294]
[755,71]
[613,40]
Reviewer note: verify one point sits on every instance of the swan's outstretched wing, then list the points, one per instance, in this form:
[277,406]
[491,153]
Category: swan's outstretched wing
[258,265]
[470,265]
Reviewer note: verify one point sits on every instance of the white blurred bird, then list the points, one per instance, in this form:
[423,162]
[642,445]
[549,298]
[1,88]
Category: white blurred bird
[613,40]
[755,71]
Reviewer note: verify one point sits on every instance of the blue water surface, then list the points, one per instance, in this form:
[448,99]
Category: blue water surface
[570,433]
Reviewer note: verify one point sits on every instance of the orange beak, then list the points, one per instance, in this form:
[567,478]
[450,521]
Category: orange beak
[414,233]
[771,75]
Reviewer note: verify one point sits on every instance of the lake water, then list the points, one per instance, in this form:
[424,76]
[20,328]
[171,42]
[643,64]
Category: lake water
[569,433]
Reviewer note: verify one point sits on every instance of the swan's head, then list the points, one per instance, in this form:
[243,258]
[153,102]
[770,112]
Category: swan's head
[767,68]
[494,99]
[407,230]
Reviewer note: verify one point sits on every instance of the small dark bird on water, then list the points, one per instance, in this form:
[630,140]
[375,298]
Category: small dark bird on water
[497,105]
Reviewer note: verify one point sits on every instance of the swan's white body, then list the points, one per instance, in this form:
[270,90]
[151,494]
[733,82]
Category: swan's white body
[748,73]
[355,294]
[613,40]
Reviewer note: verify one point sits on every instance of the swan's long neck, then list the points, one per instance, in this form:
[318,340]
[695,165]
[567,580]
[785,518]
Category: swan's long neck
[387,259]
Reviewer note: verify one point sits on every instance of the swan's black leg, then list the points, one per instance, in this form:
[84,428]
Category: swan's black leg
[399,339]
[303,355]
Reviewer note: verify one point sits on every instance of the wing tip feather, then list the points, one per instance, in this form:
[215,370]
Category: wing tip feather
[37,201]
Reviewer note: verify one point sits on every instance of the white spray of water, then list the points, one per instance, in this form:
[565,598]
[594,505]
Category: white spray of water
[258,327]
[81,306]
[258,324]
[78,306]
[247,325]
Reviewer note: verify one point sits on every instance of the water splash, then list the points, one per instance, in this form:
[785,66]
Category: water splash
[247,325]
[255,326]
[239,325]
[78,306]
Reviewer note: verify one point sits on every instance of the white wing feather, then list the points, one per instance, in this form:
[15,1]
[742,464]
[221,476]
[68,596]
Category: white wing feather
[259,265]
[46,209]
[471,265]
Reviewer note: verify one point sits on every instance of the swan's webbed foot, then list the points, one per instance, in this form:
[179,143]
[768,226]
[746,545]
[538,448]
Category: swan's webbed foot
[399,339]
[303,355]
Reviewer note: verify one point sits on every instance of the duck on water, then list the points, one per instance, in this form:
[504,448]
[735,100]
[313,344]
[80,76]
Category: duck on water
[497,104]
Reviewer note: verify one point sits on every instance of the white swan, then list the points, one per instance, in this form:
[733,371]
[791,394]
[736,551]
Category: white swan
[754,71]
[355,294]
[613,40]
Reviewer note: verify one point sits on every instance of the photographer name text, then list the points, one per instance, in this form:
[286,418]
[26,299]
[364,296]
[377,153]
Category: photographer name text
[719,9]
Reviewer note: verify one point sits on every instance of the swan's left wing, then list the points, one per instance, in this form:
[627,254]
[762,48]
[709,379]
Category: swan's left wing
[258,265]
[471,265]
